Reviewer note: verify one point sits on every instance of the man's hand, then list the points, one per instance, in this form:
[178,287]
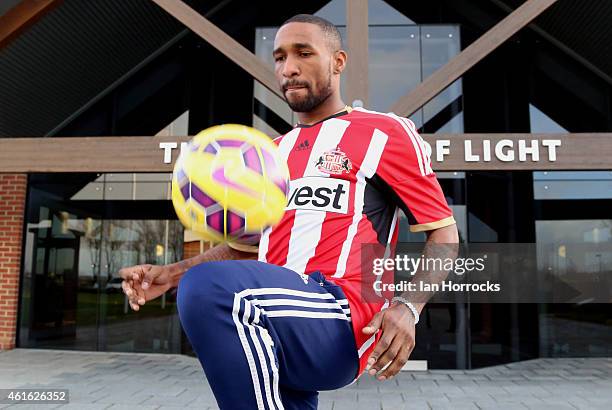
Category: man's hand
[396,342]
[142,283]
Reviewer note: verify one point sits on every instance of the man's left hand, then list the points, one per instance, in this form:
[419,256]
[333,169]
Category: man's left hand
[396,342]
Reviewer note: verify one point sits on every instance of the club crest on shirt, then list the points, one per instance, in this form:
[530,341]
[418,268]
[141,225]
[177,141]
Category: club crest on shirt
[334,162]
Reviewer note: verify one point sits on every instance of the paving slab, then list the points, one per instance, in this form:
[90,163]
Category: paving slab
[99,380]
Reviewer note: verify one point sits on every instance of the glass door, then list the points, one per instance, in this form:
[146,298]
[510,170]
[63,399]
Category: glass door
[60,291]
[155,328]
[81,229]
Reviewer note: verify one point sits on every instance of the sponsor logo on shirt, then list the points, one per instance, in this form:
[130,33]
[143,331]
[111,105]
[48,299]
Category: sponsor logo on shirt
[334,162]
[319,194]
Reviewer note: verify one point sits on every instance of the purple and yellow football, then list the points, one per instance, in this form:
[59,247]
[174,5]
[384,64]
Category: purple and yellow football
[230,183]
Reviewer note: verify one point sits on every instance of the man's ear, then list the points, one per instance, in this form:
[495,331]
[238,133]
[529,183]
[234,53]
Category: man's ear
[340,58]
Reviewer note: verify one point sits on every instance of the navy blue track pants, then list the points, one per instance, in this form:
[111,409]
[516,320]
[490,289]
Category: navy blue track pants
[267,337]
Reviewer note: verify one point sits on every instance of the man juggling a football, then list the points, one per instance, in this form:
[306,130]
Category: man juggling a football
[271,333]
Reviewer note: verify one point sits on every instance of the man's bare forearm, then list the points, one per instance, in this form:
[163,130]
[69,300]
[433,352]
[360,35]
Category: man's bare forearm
[441,244]
[220,252]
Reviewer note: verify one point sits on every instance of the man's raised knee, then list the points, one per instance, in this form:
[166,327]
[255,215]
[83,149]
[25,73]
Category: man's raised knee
[201,274]
[197,283]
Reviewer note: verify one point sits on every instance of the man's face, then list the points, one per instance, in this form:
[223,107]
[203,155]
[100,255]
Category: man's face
[303,65]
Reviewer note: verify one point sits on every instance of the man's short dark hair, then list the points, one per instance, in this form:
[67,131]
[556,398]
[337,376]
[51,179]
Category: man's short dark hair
[330,30]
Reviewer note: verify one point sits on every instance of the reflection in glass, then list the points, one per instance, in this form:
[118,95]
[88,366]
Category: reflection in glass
[555,240]
[77,239]
[584,329]
[128,243]
[59,297]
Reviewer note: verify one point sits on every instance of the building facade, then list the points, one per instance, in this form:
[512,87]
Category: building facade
[95,100]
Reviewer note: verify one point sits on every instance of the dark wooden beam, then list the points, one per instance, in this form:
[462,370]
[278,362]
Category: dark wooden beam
[357,41]
[222,42]
[459,152]
[22,16]
[475,52]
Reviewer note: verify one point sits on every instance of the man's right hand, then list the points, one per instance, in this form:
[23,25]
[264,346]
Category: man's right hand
[142,283]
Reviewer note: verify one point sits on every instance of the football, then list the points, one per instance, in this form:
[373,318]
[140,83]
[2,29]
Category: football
[229,184]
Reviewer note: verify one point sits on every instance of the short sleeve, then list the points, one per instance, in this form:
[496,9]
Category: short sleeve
[405,166]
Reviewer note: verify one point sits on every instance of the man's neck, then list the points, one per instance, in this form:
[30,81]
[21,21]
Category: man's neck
[321,112]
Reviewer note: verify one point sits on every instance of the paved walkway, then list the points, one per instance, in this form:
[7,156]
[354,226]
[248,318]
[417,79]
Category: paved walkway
[148,381]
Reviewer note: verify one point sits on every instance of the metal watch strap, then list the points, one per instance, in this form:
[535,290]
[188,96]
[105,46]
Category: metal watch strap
[410,306]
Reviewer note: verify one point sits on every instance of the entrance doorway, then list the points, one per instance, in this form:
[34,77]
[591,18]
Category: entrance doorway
[81,229]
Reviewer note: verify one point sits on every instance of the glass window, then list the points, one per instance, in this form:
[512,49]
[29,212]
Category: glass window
[440,43]
[566,184]
[179,126]
[124,186]
[394,64]
[555,237]
[584,329]
[400,57]
[542,123]
[572,184]
[77,238]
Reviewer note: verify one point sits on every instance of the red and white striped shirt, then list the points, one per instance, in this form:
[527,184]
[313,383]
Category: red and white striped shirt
[349,175]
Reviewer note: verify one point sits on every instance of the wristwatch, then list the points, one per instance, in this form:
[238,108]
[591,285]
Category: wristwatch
[410,306]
